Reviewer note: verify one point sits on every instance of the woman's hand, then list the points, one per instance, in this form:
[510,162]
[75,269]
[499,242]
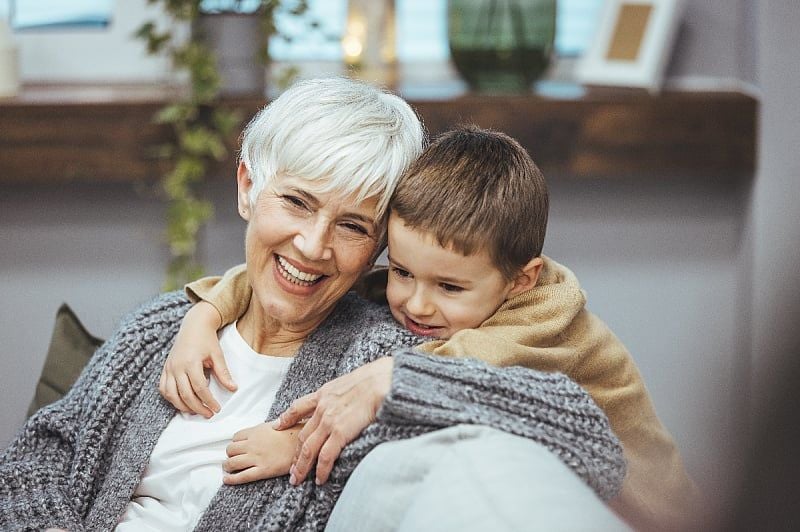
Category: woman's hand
[183,380]
[260,452]
[337,413]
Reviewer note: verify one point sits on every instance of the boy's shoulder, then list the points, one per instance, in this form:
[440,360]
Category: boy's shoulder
[557,284]
[557,299]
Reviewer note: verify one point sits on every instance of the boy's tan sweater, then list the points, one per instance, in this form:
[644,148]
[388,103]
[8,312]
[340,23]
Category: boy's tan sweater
[549,328]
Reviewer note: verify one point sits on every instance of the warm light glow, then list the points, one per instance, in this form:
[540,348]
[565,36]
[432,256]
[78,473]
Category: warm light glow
[357,26]
[352,47]
[354,38]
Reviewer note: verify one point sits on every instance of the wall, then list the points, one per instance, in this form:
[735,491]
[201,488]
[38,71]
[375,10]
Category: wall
[97,248]
[665,263]
[661,264]
[775,210]
[716,41]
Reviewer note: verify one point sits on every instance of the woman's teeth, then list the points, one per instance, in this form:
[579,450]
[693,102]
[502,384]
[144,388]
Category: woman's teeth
[292,274]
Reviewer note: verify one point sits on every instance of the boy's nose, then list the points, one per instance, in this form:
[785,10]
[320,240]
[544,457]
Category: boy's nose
[418,304]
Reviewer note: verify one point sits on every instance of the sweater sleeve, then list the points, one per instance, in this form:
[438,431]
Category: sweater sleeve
[34,475]
[48,474]
[35,469]
[548,408]
[229,294]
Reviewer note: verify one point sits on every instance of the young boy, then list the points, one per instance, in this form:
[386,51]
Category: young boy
[465,237]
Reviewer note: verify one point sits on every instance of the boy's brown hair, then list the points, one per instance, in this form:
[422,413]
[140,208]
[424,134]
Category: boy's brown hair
[476,189]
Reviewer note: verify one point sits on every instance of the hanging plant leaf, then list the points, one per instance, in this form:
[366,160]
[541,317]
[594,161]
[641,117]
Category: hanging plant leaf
[199,125]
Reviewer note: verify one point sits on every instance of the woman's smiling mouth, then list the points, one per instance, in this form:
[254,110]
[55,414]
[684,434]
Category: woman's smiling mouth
[296,276]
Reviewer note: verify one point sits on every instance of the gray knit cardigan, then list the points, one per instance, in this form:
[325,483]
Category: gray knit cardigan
[76,463]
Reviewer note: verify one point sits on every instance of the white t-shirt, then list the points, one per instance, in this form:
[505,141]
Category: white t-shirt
[185,468]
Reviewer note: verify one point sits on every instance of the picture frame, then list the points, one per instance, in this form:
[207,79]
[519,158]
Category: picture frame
[632,44]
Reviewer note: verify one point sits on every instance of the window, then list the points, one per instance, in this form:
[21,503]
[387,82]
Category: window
[83,40]
[37,14]
[91,40]
[422,30]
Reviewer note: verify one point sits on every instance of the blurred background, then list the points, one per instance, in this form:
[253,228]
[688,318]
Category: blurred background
[686,250]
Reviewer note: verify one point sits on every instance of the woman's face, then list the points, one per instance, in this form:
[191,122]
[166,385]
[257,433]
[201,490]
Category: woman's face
[305,249]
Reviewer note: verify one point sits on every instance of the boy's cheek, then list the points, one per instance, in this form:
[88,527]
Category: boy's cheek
[391,294]
[394,298]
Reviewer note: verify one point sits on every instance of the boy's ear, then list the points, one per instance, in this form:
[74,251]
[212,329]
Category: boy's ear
[527,277]
[243,196]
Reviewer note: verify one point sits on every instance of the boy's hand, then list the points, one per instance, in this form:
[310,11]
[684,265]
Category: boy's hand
[183,380]
[260,452]
[339,411]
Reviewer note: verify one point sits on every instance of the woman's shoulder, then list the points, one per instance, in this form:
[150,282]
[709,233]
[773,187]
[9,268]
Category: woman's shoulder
[158,316]
[162,309]
[374,322]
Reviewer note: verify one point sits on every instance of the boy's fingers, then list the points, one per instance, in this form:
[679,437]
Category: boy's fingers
[173,396]
[242,477]
[300,409]
[221,372]
[241,435]
[238,462]
[198,381]
[187,394]
[236,448]
[162,384]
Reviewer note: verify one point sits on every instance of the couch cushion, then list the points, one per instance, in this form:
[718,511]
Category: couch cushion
[71,347]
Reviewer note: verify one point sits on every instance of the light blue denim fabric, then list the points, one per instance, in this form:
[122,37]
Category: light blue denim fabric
[467,478]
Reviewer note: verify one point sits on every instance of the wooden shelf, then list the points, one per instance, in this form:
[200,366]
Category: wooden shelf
[95,134]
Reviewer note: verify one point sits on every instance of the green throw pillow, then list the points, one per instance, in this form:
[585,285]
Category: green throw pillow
[71,347]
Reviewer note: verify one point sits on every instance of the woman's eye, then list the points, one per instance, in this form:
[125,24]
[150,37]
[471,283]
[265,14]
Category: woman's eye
[400,272]
[355,228]
[296,202]
[454,289]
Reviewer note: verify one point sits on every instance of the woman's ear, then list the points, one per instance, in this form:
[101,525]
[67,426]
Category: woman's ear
[243,196]
[527,277]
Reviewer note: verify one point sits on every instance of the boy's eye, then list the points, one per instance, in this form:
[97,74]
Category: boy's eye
[454,289]
[400,272]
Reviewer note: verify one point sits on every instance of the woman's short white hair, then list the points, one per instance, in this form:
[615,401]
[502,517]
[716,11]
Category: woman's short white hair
[352,138]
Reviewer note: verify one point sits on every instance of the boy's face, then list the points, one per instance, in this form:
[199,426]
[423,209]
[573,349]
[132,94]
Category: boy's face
[435,291]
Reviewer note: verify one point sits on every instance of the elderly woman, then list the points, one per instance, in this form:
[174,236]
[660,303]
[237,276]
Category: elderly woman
[317,168]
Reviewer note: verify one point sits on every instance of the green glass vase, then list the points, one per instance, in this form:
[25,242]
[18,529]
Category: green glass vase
[501,45]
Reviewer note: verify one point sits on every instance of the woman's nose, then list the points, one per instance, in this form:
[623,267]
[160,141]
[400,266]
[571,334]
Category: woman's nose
[314,241]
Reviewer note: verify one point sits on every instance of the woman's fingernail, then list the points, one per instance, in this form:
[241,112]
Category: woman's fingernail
[276,423]
[293,480]
[317,481]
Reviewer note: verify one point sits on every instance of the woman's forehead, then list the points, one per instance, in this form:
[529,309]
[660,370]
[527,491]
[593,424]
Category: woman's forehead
[324,191]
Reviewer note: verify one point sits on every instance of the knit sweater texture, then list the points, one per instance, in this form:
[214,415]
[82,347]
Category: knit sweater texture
[549,328]
[76,463]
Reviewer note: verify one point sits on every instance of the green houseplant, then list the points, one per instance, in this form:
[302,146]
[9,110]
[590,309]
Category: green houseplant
[201,126]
